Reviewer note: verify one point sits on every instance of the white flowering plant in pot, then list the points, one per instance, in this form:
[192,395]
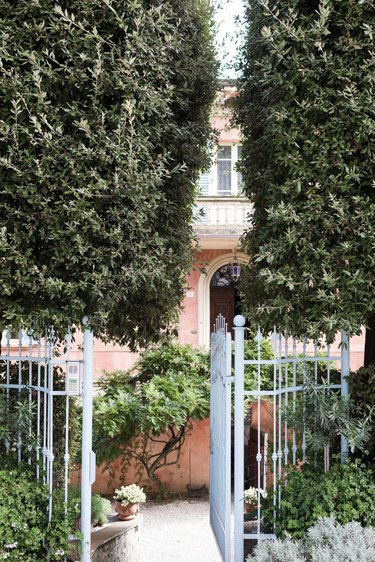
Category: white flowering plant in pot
[250,495]
[129,495]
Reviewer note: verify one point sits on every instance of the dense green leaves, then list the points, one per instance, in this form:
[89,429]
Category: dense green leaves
[104,123]
[346,492]
[362,392]
[324,415]
[307,113]
[25,530]
[145,415]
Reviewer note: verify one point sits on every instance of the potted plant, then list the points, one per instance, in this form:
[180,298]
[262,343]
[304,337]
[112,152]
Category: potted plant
[127,500]
[250,497]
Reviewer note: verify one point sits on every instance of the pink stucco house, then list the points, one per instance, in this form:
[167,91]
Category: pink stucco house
[222,214]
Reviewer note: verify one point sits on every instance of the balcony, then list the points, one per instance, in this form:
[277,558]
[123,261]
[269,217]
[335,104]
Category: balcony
[222,217]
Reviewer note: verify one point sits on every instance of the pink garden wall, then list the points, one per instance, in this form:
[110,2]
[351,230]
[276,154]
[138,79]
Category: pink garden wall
[191,469]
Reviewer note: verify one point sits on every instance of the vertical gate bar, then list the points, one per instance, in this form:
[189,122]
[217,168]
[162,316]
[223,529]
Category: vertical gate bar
[294,445]
[328,365]
[45,399]
[68,340]
[88,351]
[279,429]
[8,336]
[216,424]
[30,394]
[259,456]
[212,426]
[228,422]
[239,428]
[38,395]
[327,448]
[345,371]
[265,455]
[316,363]
[50,456]
[274,448]
[286,400]
[19,443]
[66,455]
[303,364]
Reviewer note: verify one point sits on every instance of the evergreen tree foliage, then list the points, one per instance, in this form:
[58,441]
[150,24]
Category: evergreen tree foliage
[104,125]
[306,108]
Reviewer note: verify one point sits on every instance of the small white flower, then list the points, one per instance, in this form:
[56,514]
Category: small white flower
[251,494]
[11,545]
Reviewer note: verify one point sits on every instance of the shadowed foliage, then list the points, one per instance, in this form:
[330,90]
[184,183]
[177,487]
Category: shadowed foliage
[307,113]
[104,125]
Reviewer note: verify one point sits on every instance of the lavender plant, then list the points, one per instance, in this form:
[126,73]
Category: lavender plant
[326,541]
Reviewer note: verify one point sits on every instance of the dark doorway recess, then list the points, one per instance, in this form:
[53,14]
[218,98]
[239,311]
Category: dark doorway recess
[224,297]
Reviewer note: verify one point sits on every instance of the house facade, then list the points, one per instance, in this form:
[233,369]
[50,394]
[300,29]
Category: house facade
[220,218]
[222,214]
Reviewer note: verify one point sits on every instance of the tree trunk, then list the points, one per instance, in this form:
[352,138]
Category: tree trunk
[370,342]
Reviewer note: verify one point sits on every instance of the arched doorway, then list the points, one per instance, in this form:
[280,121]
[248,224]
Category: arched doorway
[224,297]
[205,314]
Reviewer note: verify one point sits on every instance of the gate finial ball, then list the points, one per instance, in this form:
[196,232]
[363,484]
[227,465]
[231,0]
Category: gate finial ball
[239,321]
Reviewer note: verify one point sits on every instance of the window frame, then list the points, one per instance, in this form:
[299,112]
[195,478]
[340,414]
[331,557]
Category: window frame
[210,181]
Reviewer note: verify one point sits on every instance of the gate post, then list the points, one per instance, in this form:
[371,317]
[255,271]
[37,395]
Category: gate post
[345,371]
[239,370]
[87,456]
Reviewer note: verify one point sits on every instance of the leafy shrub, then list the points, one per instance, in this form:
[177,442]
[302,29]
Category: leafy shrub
[100,508]
[144,414]
[325,415]
[362,392]
[18,415]
[346,492]
[25,532]
[326,541]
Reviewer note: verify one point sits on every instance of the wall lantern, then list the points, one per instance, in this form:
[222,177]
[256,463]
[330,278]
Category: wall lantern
[235,268]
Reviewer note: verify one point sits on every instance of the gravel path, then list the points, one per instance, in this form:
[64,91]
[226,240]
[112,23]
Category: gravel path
[178,531]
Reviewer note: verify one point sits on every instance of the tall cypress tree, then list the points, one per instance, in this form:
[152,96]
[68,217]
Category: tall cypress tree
[104,125]
[306,108]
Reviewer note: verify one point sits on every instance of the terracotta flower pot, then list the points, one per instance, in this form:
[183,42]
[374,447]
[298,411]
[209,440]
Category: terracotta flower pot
[126,512]
[250,507]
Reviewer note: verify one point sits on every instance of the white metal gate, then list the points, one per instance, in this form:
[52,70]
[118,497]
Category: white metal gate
[288,363]
[45,375]
[220,438]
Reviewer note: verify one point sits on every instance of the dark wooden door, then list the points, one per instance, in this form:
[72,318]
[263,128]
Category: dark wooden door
[222,302]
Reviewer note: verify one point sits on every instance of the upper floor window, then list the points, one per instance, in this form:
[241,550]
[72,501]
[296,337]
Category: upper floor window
[222,179]
[224,170]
